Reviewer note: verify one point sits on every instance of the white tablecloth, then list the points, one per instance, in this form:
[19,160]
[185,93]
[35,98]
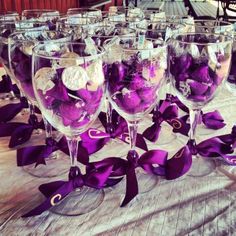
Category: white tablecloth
[186,206]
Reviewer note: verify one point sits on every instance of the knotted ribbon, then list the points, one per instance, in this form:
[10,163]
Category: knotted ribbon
[127,167]
[9,111]
[6,85]
[217,147]
[212,120]
[152,162]
[58,190]
[94,140]
[38,154]
[20,132]
[166,111]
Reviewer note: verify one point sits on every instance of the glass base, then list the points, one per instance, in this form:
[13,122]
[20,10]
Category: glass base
[202,130]
[166,135]
[201,167]
[57,164]
[79,202]
[113,148]
[146,182]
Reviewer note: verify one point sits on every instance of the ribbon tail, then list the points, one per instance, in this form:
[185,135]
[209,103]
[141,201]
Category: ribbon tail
[179,164]
[8,128]
[29,155]
[152,133]
[140,142]
[94,145]
[55,197]
[131,186]
[103,119]
[111,181]
[21,135]
[82,156]
[5,84]
[9,111]
[213,120]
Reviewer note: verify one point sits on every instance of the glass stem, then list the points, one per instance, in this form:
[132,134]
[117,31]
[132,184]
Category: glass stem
[48,128]
[31,107]
[73,149]
[194,117]
[133,128]
[109,117]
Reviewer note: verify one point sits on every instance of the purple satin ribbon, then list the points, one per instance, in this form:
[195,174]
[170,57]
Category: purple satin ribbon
[167,112]
[5,84]
[94,140]
[20,132]
[58,190]
[38,154]
[217,147]
[212,120]
[9,111]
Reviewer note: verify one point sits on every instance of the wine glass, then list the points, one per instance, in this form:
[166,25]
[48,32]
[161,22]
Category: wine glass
[85,12]
[162,31]
[7,27]
[21,44]
[210,26]
[125,17]
[78,26]
[49,16]
[9,16]
[136,76]
[110,37]
[69,92]
[199,63]
[231,80]
[39,14]
[231,86]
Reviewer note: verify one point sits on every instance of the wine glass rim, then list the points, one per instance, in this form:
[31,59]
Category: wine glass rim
[42,44]
[64,20]
[128,19]
[5,13]
[40,10]
[227,37]
[30,21]
[131,30]
[225,23]
[162,45]
[165,23]
[65,35]
[83,9]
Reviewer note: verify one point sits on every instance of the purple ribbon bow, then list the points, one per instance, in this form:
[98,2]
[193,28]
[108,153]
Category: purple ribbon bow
[5,84]
[219,146]
[9,111]
[58,190]
[20,132]
[38,154]
[121,167]
[212,120]
[168,112]
[94,140]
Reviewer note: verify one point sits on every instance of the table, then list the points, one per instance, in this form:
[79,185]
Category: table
[186,206]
